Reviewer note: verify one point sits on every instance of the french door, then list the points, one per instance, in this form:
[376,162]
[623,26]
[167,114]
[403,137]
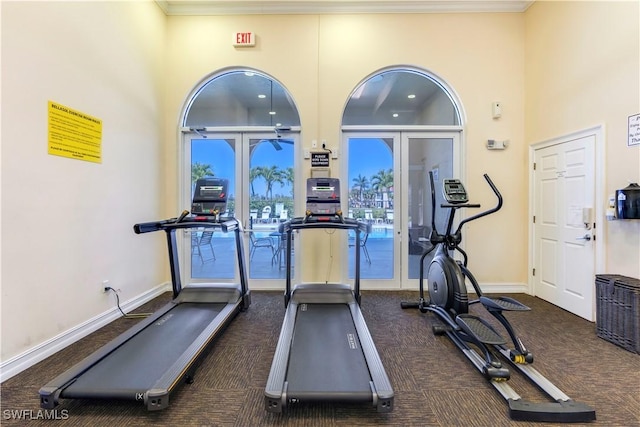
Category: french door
[262,184]
[388,186]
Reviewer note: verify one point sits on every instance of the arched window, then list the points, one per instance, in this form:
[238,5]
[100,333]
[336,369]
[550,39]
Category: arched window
[401,97]
[241,98]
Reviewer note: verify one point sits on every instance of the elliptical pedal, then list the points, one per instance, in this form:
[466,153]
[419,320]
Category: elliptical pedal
[479,329]
[503,303]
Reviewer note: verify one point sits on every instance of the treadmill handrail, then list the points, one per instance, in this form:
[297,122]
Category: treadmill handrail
[169,226]
[348,224]
[229,224]
[300,223]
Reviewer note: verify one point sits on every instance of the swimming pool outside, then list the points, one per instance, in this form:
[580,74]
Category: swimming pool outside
[381,232]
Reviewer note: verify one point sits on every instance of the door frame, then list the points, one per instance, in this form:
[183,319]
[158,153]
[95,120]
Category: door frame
[241,135]
[458,171]
[400,136]
[184,194]
[599,197]
[394,282]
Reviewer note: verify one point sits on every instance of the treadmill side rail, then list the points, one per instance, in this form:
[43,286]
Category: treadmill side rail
[49,396]
[275,391]
[156,399]
[383,393]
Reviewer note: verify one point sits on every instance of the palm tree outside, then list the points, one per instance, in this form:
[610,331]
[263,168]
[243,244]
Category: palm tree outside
[200,170]
[382,182]
[361,183]
[270,175]
[371,182]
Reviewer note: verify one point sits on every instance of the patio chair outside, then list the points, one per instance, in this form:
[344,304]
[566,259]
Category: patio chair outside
[363,246]
[368,215]
[197,243]
[284,215]
[389,217]
[279,208]
[266,213]
[261,242]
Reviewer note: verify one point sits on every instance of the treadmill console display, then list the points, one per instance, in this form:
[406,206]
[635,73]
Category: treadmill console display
[210,196]
[323,196]
[454,191]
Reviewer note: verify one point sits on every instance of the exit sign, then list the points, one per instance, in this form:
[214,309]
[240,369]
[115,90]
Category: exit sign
[244,39]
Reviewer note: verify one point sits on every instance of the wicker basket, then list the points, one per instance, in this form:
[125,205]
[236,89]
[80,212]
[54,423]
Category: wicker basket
[618,310]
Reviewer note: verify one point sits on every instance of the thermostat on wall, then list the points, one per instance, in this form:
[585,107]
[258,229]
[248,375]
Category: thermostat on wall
[493,144]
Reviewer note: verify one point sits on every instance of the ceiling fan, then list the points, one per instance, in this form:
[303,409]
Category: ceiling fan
[279,130]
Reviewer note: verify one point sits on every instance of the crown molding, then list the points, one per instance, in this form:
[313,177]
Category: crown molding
[313,7]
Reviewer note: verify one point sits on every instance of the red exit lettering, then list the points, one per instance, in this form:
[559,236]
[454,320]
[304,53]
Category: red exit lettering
[244,39]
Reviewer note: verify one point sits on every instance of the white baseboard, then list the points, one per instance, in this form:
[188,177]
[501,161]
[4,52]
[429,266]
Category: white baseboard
[501,288]
[489,288]
[25,360]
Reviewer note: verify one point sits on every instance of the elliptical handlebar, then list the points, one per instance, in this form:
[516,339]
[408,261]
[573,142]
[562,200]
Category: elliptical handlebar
[433,202]
[488,212]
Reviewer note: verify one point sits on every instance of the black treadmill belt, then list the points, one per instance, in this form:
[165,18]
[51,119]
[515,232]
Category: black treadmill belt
[326,360]
[136,366]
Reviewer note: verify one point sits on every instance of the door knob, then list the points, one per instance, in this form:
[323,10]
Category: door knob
[586,237]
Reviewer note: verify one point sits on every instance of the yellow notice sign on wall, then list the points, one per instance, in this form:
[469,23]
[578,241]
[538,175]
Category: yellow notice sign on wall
[74,134]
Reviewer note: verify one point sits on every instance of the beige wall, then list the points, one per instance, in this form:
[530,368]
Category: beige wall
[321,60]
[67,224]
[583,70]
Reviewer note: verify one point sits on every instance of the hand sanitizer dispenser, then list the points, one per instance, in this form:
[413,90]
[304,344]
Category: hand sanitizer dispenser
[628,202]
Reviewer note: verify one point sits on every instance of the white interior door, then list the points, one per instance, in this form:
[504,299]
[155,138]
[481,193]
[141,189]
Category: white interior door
[564,227]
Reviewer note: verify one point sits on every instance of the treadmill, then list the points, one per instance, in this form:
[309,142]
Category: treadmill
[148,362]
[325,352]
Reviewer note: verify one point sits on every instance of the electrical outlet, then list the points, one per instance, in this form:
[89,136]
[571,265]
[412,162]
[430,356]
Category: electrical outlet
[104,285]
[314,144]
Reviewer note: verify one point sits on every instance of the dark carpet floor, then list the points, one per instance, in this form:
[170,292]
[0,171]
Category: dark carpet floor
[434,384]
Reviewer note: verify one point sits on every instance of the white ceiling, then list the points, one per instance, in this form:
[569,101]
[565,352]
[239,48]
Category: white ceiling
[251,7]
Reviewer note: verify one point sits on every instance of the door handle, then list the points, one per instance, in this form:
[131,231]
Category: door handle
[586,237]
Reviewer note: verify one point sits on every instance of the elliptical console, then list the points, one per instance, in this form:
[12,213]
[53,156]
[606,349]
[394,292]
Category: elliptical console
[454,191]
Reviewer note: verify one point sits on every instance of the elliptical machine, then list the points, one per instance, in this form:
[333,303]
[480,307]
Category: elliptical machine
[474,336]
